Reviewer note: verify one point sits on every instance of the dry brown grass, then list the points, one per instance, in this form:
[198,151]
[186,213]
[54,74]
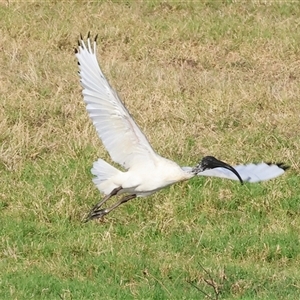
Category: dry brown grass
[179,82]
[203,78]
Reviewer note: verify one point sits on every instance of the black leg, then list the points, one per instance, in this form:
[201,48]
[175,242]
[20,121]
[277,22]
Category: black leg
[99,213]
[99,204]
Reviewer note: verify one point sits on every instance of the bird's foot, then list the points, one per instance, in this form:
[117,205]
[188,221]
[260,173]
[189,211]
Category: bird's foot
[96,214]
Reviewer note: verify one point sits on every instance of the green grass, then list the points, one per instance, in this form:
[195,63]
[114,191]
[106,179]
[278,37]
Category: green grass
[205,78]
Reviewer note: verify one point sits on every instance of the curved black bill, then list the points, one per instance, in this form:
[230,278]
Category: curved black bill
[210,162]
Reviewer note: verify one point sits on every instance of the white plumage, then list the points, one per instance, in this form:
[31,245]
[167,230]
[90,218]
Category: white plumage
[248,173]
[147,172]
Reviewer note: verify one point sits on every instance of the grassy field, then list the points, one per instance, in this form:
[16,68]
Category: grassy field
[200,78]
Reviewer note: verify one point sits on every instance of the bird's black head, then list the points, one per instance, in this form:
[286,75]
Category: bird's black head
[210,162]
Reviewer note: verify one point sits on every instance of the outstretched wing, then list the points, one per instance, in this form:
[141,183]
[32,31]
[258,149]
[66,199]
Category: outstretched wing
[121,136]
[249,172]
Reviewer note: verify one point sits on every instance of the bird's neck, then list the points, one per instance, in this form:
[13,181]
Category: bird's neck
[197,169]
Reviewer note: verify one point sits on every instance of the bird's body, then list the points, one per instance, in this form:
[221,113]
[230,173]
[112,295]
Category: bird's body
[146,171]
[142,179]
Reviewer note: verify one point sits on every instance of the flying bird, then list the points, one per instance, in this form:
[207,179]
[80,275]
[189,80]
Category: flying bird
[146,171]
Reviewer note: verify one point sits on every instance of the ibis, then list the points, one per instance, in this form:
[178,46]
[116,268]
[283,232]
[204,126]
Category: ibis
[146,171]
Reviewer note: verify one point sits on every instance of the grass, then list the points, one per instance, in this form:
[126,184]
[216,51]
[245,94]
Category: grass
[218,78]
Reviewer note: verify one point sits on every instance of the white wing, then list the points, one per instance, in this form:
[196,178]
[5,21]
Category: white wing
[121,136]
[249,173]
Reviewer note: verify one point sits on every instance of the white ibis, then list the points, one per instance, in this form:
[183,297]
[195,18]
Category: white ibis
[147,172]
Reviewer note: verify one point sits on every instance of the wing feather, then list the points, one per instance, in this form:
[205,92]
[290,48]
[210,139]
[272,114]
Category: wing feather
[249,173]
[121,136]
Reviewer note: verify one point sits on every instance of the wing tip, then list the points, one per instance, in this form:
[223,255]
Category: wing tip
[280,165]
[81,40]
